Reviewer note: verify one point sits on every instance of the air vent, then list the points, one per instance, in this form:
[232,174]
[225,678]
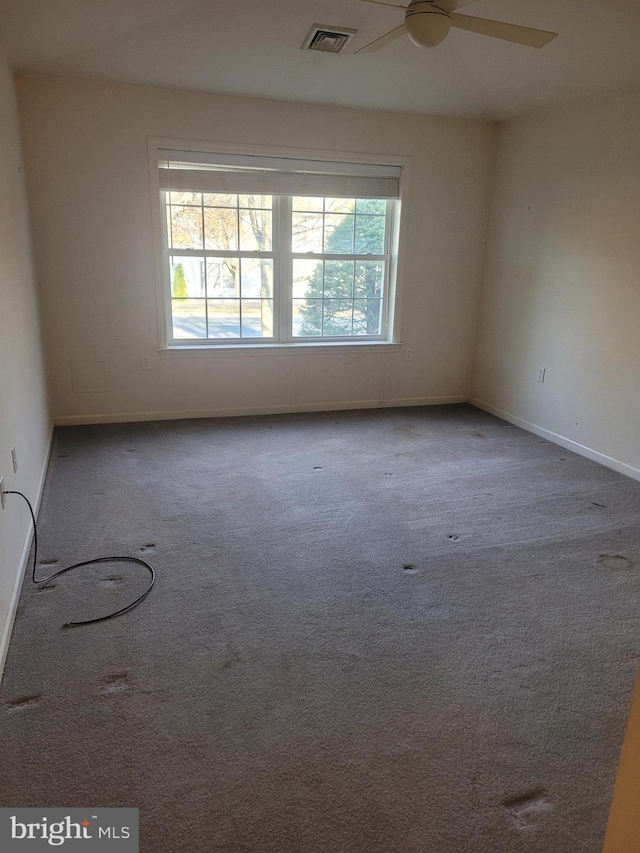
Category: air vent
[329,39]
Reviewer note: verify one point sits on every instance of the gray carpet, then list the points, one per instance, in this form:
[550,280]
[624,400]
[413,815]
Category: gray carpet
[403,630]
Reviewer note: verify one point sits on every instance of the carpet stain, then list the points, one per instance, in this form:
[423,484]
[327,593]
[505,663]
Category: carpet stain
[350,662]
[614,561]
[527,809]
[453,536]
[149,548]
[408,429]
[232,657]
[23,702]
[285,662]
[116,683]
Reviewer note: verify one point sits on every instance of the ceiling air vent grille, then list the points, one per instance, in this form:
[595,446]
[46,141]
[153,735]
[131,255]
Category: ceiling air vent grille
[328,39]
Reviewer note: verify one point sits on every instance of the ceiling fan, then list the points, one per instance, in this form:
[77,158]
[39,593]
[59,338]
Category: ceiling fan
[427,23]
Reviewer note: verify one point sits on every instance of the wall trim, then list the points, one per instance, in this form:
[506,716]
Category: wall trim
[556,438]
[290,408]
[280,349]
[17,587]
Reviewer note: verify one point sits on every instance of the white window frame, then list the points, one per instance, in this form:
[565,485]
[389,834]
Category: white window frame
[282,340]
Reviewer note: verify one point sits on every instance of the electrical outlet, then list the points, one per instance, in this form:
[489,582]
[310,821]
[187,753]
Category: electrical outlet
[146,362]
[1,492]
[542,372]
[409,354]
[14,459]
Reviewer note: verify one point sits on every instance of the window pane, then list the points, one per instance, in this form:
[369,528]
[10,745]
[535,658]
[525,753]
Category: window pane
[189,318]
[307,278]
[257,318]
[307,232]
[220,199]
[187,278]
[224,318]
[369,278]
[367,316]
[371,205]
[338,279]
[338,233]
[340,205]
[256,201]
[221,228]
[186,227]
[307,318]
[257,278]
[186,198]
[369,236]
[255,230]
[307,203]
[337,316]
[223,277]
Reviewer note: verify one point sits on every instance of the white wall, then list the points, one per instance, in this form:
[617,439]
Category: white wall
[24,419]
[88,181]
[562,279]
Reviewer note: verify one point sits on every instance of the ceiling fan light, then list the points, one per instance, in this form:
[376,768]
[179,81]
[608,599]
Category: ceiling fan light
[428,29]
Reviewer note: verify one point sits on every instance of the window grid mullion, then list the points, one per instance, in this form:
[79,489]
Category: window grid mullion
[313,256]
[284,292]
[386,286]
[204,268]
[206,295]
[353,287]
[165,230]
[218,253]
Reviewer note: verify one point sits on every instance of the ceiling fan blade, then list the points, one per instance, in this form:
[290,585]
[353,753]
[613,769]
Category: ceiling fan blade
[383,41]
[402,6]
[452,5]
[447,5]
[501,30]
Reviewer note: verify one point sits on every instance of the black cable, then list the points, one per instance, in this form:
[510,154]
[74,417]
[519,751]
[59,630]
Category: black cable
[85,563]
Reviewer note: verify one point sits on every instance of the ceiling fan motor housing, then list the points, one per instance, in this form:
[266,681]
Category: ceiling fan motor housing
[426,24]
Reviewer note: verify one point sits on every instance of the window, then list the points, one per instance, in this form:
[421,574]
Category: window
[276,250]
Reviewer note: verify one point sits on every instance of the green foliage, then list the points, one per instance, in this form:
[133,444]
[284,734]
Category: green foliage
[360,232]
[179,287]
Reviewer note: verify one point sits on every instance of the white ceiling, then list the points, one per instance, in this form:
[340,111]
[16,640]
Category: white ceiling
[252,47]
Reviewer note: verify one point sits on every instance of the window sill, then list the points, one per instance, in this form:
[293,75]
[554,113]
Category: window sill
[293,349]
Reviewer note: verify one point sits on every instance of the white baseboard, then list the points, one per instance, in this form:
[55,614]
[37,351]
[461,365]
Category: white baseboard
[22,566]
[291,408]
[556,438]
